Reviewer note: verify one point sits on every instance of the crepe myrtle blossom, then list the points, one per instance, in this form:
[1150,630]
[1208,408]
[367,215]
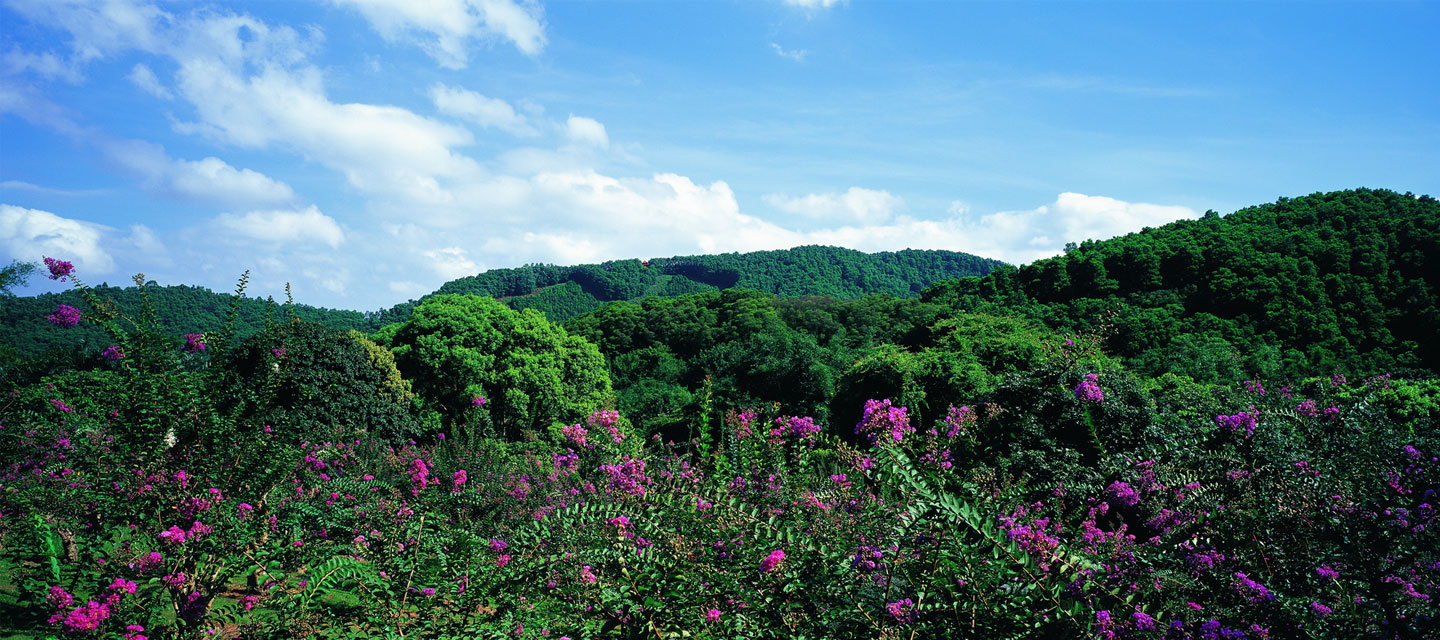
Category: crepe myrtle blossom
[59,269]
[771,561]
[1089,389]
[194,343]
[65,316]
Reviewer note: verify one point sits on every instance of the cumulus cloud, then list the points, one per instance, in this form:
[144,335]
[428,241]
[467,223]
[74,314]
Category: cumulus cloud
[304,227]
[145,79]
[208,180]
[855,205]
[586,131]
[445,28]
[481,110]
[30,234]
[379,148]
[1012,236]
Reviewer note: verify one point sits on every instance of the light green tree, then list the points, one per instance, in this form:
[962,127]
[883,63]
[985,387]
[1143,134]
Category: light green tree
[530,372]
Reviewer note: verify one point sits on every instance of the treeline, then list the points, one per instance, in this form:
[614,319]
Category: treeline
[31,347]
[1341,281]
[563,293]
[1338,282]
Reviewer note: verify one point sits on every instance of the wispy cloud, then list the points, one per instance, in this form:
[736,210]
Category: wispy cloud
[797,55]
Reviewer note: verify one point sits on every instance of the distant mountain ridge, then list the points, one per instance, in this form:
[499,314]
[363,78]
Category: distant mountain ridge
[561,292]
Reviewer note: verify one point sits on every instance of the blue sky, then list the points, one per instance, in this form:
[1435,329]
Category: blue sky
[369,150]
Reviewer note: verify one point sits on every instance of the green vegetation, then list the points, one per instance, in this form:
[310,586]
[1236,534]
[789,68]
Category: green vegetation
[1084,447]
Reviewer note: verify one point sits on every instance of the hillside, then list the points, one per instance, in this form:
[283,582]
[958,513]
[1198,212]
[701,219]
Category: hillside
[1348,280]
[561,293]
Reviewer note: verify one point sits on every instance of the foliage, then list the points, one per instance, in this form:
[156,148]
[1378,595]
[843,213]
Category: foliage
[465,354]
[1335,281]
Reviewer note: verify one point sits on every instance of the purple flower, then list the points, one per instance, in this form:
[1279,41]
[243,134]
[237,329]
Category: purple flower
[65,316]
[173,535]
[1320,610]
[194,342]
[712,615]
[1124,494]
[1089,389]
[884,422]
[1243,421]
[113,353]
[900,611]
[771,561]
[59,269]
[1328,573]
[1143,621]
[478,401]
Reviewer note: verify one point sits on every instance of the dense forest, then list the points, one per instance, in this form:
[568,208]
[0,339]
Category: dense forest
[1220,428]
[560,293]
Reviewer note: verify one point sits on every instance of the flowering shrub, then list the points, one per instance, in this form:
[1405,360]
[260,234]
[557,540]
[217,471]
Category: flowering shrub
[162,498]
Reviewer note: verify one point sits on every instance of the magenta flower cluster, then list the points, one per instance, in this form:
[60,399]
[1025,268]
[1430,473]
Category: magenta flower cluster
[1243,422]
[768,563]
[65,316]
[59,269]
[607,420]
[884,422]
[1089,389]
[194,343]
[802,428]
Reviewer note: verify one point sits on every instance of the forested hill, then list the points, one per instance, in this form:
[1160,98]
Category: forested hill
[25,333]
[560,292]
[1342,281]
[566,292]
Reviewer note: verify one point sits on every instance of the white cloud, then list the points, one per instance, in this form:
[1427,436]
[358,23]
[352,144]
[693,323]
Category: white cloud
[451,262]
[586,131]
[98,29]
[855,205]
[481,110]
[380,149]
[18,185]
[145,79]
[815,4]
[47,65]
[30,234]
[445,28]
[208,180]
[1013,236]
[305,227]
[798,55]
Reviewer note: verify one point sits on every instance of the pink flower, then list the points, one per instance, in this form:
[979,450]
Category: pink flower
[502,560]
[59,269]
[194,343]
[769,563]
[65,316]
[459,480]
[712,615]
[173,535]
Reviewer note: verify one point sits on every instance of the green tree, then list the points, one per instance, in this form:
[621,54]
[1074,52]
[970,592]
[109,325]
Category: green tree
[15,274]
[531,372]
